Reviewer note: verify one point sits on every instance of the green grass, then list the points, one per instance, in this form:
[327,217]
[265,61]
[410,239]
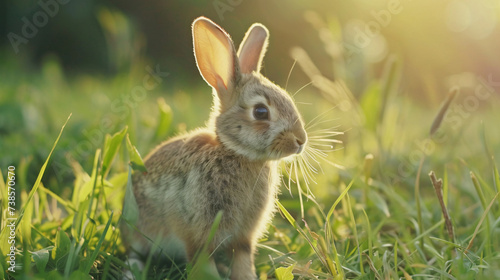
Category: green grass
[376,218]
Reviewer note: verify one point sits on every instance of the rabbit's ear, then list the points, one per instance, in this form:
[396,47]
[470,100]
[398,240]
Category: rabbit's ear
[252,48]
[215,57]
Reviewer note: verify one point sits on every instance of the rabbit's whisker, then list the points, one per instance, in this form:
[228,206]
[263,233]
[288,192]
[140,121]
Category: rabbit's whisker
[320,121]
[326,140]
[218,245]
[303,103]
[290,74]
[303,87]
[318,117]
[330,130]
[303,169]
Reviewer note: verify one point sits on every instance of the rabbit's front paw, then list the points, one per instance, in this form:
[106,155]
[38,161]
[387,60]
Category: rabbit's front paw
[243,268]
[245,276]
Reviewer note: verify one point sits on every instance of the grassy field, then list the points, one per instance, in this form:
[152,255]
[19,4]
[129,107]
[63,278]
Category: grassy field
[367,210]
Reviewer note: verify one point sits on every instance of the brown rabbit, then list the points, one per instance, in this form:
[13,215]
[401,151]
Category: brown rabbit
[231,165]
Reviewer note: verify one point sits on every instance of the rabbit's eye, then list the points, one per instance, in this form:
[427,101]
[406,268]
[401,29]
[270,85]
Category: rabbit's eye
[260,112]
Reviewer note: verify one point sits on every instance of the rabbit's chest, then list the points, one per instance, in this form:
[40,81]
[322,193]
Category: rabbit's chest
[237,192]
[243,193]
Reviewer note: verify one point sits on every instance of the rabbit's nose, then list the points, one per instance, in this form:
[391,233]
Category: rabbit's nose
[300,136]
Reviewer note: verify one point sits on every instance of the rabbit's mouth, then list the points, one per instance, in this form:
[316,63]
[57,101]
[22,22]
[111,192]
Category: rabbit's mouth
[300,149]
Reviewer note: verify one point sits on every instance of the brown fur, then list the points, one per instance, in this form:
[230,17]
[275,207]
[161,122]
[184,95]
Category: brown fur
[230,166]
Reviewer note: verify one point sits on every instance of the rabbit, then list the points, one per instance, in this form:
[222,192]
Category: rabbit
[230,166]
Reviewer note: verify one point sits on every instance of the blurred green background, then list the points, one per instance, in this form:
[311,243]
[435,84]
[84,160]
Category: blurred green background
[376,70]
[86,58]
[435,39]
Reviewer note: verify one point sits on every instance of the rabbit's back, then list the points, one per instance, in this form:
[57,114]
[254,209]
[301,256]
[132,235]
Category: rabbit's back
[191,179]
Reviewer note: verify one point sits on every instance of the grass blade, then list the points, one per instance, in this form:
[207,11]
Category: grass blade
[92,258]
[355,231]
[438,187]
[485,214]
[130,207]
[134,157]
[442,111]
[165,121]
[341,196]
[40,175]
[111,147]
